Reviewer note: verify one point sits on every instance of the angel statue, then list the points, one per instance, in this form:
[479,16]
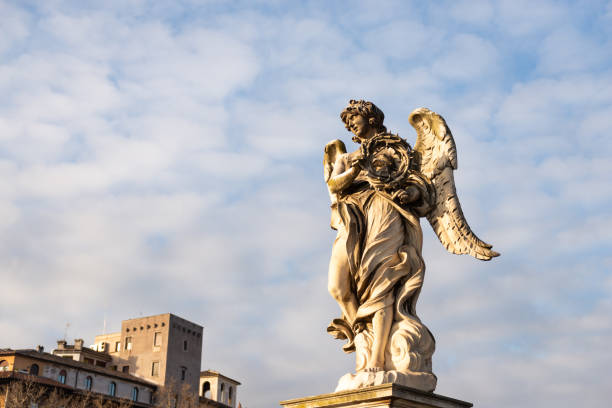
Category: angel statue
[378,194]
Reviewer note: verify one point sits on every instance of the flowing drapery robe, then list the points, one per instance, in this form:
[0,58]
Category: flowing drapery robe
[383,246]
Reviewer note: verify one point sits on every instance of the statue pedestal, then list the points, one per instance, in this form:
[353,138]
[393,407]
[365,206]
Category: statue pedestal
[383,396]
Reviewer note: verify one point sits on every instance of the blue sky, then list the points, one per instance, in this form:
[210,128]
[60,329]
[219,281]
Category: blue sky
[166,157]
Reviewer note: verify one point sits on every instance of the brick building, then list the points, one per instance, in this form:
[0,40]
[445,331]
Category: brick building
[161,349]
[70,375]
[130,365]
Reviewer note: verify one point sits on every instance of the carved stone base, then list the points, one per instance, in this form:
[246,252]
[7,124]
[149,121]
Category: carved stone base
[420,381]
[386,395]
[407,358]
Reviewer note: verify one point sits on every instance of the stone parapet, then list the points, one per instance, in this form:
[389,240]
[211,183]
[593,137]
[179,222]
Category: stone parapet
[383,396]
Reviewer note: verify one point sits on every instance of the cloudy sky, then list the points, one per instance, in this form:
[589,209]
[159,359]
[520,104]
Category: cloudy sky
[166,157]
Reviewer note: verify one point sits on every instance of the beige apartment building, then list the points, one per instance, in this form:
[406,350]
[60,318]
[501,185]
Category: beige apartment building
[148,353]
[160,349]
[70,375]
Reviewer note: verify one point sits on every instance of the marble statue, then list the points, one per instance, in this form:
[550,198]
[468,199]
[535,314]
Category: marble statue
[378,194]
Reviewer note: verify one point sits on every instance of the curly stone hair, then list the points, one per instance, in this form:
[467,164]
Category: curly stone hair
[366,109]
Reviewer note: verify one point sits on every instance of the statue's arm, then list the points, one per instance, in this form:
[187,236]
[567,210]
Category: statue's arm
[408,195]
[412,193]
[342,177]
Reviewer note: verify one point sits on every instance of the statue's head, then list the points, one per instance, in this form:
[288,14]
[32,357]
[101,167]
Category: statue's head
[368,111]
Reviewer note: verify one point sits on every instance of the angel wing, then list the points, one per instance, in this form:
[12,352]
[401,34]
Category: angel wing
[436,157]
[332,150]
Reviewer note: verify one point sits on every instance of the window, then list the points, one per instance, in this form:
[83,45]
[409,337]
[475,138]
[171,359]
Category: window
[100,363]
[34,369]
[112,389]
[128,343]
[183,373]
[155,369]
[135,394]
[117,346]
[184,345]
[157,340]
[89,360]
[88,383]
[222,392]
[230,395]
[62,377]
[206,389]
[126,369]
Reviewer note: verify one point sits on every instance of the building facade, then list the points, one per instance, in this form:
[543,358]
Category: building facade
[130,365]
[71,375]
[78,352]
[162,349]
[217,387]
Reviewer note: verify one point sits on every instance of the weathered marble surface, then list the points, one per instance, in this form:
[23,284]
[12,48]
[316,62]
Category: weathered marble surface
[387,396]
[378,195]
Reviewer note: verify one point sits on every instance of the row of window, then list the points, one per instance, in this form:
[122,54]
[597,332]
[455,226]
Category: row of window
[187,330]
[91,361]
[157,342]
[206,393]
[143,327]
[230,393]
[112,387]
[61,378]
[124,369]
[34,370]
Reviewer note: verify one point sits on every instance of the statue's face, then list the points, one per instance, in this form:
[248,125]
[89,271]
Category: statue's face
[359,125]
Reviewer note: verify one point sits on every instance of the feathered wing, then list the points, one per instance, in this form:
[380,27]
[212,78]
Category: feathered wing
[332,151]
[436,157]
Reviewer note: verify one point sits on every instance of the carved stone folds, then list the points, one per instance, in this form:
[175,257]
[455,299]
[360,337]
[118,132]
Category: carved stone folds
[407,359]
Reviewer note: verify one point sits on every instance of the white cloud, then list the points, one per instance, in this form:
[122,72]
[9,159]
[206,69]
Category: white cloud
[567,50]
[523,18]
[479,12]
[467,57]
[14,29]
[404,40]
[167,157]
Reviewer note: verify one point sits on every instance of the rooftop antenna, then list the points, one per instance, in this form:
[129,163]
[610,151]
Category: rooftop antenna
[66,331]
